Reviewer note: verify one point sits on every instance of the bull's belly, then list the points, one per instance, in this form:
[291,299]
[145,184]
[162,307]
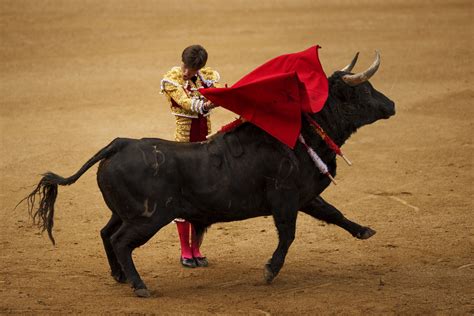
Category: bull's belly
[210,217]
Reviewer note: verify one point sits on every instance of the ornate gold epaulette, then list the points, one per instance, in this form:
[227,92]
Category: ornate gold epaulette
[173,77]
[209,76]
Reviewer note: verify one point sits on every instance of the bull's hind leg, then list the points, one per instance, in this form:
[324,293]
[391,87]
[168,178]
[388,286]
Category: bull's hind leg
[130,236]
[107,232]
[322,210]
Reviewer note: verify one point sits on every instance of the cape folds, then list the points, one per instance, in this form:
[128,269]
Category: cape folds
[274,95]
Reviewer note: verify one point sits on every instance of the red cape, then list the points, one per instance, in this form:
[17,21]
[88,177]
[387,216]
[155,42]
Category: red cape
[273,96]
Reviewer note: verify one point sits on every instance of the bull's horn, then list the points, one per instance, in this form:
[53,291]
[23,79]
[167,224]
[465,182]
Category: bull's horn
[358,78]
[349,67]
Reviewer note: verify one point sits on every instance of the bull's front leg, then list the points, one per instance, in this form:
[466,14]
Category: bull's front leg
[322,210]
[284,215]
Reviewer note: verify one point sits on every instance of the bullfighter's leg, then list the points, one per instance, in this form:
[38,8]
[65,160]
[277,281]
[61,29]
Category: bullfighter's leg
[322,210]
[197,236]
[106,232]
[186,257]
[130,236]
[284,215]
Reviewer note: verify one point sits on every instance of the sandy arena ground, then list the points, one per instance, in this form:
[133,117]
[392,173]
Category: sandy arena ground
[77,74]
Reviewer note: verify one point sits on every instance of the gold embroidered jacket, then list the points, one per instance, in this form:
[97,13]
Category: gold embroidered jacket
[180,93]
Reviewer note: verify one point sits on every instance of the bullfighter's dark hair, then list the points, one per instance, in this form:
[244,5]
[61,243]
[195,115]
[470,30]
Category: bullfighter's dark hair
[194,56]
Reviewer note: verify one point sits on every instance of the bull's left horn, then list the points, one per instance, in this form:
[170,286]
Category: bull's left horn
[358,78]
[349,67]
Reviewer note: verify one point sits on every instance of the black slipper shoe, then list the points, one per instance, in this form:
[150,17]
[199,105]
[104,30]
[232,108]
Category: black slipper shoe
[201,261]
[188,262]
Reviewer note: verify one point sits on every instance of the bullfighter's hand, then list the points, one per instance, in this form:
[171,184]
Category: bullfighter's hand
[209,105]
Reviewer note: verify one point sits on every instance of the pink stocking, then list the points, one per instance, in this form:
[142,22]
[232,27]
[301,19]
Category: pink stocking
[183,232]
[195,244]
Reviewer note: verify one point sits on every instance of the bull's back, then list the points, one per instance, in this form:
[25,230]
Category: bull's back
[140,160]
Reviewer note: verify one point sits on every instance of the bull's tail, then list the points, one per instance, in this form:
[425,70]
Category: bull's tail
[47,188]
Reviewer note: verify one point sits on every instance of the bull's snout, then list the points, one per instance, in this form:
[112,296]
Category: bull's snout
[389,109]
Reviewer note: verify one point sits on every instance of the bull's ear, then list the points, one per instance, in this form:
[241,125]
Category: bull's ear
[358,78]
[349,67]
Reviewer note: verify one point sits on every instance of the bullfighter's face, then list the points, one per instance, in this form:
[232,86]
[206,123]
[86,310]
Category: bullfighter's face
[188,72]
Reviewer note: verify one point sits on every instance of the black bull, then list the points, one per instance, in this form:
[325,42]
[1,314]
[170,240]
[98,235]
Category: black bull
[233,176]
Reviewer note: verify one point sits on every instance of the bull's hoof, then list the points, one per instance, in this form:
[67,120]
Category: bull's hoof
[365,233]
[120,278]
[142,293]
[268,274]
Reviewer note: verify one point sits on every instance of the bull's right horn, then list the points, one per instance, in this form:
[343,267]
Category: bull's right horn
[349,67]
[358,78]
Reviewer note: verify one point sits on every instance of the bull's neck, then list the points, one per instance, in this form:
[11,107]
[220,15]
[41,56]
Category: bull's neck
[331,119]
